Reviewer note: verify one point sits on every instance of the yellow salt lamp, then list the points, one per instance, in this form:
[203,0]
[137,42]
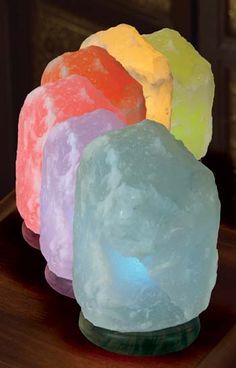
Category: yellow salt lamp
[147,65]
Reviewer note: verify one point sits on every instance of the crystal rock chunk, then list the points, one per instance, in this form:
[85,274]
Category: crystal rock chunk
[145,230]
[106,74]
[193,90]
[43,108]
[61,156]
[147,65]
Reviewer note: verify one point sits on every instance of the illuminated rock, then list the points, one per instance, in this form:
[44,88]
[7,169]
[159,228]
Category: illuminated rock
[144,63]
[106,74]
[145,231]
[43,108]
[61,156]
[193,90]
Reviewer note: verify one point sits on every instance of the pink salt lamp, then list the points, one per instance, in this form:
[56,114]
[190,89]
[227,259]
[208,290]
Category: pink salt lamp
[45,107]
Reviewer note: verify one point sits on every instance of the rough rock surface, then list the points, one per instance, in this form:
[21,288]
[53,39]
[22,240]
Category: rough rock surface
[145,231]
[61,156]
[193,90]
[43,108]
[144,63]
[106,74]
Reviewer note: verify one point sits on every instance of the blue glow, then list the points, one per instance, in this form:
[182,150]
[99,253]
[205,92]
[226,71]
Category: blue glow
[128,268]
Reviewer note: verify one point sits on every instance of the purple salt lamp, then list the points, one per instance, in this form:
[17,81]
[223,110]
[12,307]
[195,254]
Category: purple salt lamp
[61,156]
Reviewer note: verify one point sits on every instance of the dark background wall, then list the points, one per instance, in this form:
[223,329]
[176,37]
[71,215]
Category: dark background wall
[32,32]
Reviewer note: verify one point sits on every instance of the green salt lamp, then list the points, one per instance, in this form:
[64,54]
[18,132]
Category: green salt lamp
[193,90]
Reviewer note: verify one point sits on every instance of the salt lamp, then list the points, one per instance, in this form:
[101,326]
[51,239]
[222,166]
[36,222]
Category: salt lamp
[61,157]
[146,220]
[144,63]
[106,74]
[193,90]
[45,107]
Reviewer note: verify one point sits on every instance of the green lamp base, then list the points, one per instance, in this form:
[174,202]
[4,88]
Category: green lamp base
[166,341]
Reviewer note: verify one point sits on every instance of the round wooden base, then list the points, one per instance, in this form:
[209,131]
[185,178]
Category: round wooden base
[30,237]
[152,343]
[59,284]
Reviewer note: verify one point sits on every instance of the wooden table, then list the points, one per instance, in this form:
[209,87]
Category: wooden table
[38,327]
